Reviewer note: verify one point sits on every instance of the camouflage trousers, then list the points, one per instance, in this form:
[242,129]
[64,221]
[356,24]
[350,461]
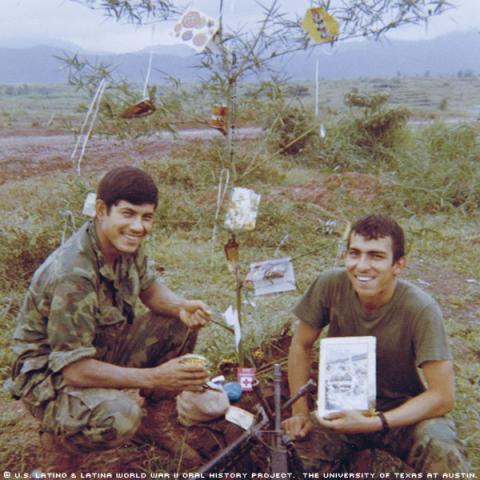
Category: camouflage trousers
[90,419]
[429,446]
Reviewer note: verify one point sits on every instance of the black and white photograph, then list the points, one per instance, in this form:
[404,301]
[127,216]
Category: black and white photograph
[272,276]
[347,374]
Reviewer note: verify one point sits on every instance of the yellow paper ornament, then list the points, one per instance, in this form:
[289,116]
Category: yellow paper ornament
[320,25]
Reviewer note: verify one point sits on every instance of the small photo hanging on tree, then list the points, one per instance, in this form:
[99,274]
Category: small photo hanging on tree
[320,25]
[242,209]
[195,29]
[272,276]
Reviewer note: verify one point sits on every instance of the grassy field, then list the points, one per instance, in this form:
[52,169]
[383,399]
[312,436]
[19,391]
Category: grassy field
[48,106]
[426,176]
[428,98]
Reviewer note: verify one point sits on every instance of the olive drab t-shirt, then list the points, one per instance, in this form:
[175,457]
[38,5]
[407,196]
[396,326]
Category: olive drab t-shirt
[409,330]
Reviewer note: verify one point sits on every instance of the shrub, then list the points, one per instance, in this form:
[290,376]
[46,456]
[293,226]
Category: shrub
[442,171]
[452,143]
[367,140]
[291,130]
[24,247]
[375,126]
[294,131]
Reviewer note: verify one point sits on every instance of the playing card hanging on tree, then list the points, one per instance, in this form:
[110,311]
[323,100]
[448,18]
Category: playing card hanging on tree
[320,25]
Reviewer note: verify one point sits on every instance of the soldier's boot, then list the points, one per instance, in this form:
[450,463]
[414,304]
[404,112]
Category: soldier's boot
[160,425]
[56,455]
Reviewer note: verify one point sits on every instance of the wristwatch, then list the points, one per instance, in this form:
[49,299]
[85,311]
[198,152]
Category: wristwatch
[385,425]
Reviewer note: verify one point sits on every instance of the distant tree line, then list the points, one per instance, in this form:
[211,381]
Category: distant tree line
[26,89]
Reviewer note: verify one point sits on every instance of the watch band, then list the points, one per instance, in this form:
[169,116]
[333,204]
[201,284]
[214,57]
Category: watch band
[385,425]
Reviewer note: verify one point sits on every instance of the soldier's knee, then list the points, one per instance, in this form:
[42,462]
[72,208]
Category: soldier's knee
[112,422]
[93,418]
[435,429]
[437,448]
[120,416]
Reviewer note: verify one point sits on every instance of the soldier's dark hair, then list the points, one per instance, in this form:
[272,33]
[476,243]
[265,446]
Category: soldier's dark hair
[376,226]
[127,183]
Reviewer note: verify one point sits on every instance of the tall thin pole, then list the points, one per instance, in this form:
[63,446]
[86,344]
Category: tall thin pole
[316,88]
[231,113]
[220,19]
[279,452]
[239,281]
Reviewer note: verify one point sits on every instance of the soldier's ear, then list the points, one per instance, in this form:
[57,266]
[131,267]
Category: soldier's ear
[101,209]
[399,265]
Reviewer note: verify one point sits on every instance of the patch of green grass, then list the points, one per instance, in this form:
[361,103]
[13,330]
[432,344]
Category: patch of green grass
[8,419]
[9,304]
[48,106]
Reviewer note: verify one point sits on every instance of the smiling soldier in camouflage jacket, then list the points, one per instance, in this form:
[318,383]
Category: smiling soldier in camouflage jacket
[81,348]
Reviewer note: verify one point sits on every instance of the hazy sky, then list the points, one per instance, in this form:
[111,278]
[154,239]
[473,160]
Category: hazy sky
[29,22]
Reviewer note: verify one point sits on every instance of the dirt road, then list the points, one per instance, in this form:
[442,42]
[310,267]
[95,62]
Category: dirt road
[27,153]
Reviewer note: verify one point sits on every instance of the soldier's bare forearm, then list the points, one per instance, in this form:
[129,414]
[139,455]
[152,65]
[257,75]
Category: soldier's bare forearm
[299,361]
[170,376]
[89,372]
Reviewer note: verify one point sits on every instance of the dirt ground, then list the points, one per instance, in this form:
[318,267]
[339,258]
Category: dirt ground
[28,153]
[148,452]
[31,152]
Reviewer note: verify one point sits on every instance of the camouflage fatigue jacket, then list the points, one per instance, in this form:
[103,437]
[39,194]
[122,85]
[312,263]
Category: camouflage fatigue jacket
[75,308]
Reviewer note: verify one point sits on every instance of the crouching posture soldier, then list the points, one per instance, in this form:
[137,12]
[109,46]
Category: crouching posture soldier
[367,298]
[81,349]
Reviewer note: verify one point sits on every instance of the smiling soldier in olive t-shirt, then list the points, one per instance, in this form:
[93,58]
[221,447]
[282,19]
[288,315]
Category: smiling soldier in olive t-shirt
[367,298]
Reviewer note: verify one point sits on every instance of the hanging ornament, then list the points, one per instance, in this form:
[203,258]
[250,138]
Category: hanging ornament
[142,108]
[219,118]
[231,318]
[322,131]
[231,249]
[146,106]
[242,209]
[195,29]
[272,276]
[320,25]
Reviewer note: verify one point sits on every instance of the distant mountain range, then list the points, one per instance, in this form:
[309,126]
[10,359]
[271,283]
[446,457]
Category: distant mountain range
[445,55]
